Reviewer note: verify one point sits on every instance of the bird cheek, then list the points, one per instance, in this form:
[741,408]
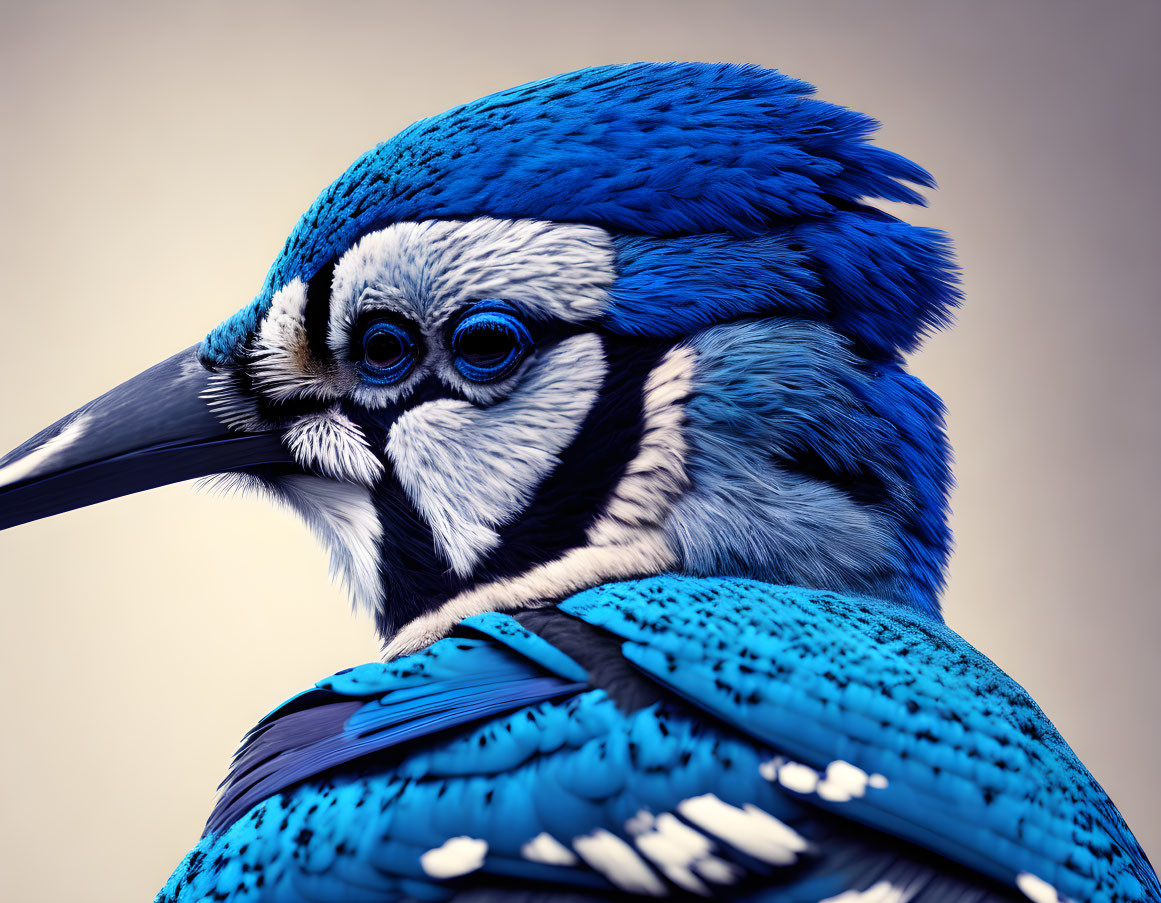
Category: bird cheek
[332,445]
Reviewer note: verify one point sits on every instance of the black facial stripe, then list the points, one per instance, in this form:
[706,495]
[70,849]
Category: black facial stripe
[861,484]
[414,578]
[573,495]
[316,318]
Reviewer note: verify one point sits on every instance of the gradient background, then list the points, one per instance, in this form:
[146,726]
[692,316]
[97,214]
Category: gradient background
[153,159]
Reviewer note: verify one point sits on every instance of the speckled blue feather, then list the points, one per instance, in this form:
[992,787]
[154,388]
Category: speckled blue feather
[965,768]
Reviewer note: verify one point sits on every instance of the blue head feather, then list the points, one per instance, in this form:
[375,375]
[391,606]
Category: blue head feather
[659,149]
[810,465]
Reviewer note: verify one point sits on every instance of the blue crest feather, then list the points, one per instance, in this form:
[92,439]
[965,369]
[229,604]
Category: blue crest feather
[658,149]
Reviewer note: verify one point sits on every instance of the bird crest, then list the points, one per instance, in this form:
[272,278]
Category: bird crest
[663,155]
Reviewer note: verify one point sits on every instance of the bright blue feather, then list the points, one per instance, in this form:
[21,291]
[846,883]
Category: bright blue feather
[659,149]
[972,769]
[378,706]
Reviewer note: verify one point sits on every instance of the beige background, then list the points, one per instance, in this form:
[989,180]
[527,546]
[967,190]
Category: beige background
[154,157]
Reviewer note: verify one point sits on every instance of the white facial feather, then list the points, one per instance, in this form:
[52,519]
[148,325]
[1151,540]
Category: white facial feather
[430,271]
[425,270]
[283,365]
[340,514]
[329,443]
[615,549]
[470,470]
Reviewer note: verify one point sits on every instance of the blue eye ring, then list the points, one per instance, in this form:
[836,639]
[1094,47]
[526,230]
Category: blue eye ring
[489,343]
[389,353]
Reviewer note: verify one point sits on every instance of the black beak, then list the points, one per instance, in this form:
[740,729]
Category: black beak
[152,430]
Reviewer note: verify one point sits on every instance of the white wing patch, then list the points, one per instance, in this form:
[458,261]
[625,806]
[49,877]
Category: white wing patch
[682,854]
[749,829]
[840,783]
[608,854]
[457,856]
[547,849]
[470,470]
[1037,889]
[791,775]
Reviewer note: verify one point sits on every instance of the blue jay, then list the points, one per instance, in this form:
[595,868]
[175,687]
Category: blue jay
[595,390]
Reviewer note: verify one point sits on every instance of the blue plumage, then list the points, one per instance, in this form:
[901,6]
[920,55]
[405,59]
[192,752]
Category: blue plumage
[817,427]
[658,150]
[831,712]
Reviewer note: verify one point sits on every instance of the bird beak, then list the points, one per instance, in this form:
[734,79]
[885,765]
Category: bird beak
[149,431]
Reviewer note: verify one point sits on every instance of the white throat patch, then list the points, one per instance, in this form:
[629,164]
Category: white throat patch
[470,470]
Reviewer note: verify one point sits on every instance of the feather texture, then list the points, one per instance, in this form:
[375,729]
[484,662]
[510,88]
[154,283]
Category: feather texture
[611,146]
[775,773]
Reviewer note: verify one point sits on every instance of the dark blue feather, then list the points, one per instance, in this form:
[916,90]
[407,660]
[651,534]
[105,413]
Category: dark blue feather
[374,708]
[658,149]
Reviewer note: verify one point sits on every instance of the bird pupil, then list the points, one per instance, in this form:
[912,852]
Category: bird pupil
[383,349]
[484,345]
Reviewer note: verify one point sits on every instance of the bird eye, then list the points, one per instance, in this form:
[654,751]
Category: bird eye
[489,344]
[389,353]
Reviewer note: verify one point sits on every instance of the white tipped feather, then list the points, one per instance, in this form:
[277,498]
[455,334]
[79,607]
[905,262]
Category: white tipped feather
[456,856]
[547,849]
[680,852]
[1037,889]
[608,854]
[749,829]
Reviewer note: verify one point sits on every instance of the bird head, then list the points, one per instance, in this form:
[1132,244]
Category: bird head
[632,320]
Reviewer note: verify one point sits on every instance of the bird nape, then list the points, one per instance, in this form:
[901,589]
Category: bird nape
[595,390]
